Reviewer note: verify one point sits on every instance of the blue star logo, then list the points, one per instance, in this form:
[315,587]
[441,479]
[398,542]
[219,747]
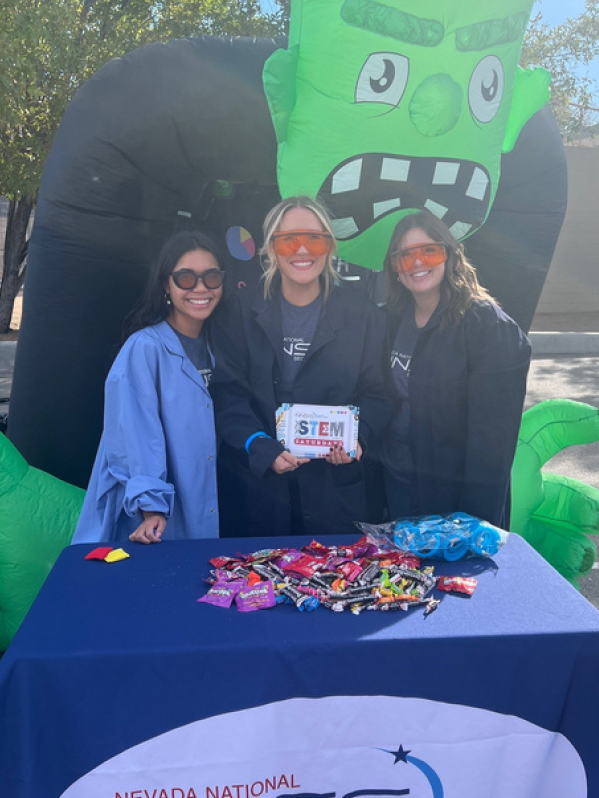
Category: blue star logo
[401,755]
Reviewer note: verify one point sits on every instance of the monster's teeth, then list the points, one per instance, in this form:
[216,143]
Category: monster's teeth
[344,228]
[437,210]
[459,229]
[348,177]
[379,208]
[446,173]
[478,185]
[395,169]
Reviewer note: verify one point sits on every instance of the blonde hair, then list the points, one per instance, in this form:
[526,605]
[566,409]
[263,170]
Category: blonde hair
[460,286]
[272,223]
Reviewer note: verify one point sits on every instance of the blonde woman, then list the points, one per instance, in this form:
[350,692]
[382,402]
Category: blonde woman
[303,339]
[458,368]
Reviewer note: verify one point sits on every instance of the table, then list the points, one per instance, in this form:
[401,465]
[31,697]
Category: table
[113,655]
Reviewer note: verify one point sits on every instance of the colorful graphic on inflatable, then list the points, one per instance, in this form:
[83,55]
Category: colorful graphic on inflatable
[240,243]
[411,106]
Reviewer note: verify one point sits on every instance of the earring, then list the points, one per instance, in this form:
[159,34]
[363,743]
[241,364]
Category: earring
[167,296]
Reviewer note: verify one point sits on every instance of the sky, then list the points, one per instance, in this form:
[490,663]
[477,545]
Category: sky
[556,11]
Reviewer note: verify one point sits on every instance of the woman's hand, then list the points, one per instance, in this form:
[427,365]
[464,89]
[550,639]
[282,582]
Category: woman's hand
[286,462]
[338,456]
[150,530]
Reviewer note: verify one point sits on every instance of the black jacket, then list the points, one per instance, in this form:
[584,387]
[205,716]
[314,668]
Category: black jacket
[467,384]
[344,365]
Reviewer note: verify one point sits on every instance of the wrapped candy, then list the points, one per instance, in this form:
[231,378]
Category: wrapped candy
[448,538]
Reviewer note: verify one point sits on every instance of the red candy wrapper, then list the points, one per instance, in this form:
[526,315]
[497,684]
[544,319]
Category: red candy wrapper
[291,556]
[260,596]
[223,562]
[350,570]
[316,549]
[305,566]
[457,584]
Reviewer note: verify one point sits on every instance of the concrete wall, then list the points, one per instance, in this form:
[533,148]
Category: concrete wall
[573,280]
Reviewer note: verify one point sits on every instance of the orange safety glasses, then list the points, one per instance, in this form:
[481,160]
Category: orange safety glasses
[428,255]
[289,242]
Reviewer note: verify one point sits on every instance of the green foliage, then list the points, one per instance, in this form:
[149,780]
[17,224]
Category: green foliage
[564,50]
[48,48]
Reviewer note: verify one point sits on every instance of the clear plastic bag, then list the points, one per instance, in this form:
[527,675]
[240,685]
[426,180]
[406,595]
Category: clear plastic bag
[450,537]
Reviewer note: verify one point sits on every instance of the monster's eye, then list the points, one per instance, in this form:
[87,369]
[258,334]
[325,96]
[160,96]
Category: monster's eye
[383,79]
[486,88]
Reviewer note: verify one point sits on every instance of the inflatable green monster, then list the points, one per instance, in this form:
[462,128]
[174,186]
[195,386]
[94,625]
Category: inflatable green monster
[555,513]
[381,108]
[39,514]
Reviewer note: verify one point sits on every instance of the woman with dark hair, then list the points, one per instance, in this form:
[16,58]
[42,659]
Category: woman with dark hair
[154,476]
[458,367]
[301,339]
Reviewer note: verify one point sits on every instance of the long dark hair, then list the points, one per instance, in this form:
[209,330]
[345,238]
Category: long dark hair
[460,286]
[151,307]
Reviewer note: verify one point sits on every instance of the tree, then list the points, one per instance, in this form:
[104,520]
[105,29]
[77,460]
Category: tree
[563,50]
[48,48]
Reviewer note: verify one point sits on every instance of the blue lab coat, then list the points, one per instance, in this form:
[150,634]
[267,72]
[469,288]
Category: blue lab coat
[158,448]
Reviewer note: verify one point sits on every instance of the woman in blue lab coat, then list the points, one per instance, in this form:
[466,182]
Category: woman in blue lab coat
[154,477]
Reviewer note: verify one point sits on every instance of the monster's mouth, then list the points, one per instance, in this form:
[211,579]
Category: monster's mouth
[367,187]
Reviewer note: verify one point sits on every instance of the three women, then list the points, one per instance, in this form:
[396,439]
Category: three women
[458,371]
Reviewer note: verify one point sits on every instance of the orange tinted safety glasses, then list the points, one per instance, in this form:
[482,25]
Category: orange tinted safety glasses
[428,254]
[289,242]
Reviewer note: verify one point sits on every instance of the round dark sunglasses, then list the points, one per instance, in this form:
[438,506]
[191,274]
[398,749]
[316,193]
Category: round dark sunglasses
[186,279]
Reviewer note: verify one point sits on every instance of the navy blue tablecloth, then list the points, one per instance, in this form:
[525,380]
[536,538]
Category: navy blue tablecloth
[111,655]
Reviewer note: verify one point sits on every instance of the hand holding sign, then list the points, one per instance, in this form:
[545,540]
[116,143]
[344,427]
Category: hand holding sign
[319,431]
[338,456]
[287,462]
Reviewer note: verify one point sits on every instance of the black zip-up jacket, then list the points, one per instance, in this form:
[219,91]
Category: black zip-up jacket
[344,365]
[467,385]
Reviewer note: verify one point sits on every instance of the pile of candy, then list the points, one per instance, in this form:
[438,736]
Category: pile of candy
[356,577]
[448,537]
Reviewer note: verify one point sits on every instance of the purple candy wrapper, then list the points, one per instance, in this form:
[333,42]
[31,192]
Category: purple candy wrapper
[291,556]
[260,596]
[223,576]
[221,594]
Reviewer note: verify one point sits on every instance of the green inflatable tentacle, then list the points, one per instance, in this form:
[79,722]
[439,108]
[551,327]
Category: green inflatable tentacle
[555,513]
[555,424]
[38,517]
